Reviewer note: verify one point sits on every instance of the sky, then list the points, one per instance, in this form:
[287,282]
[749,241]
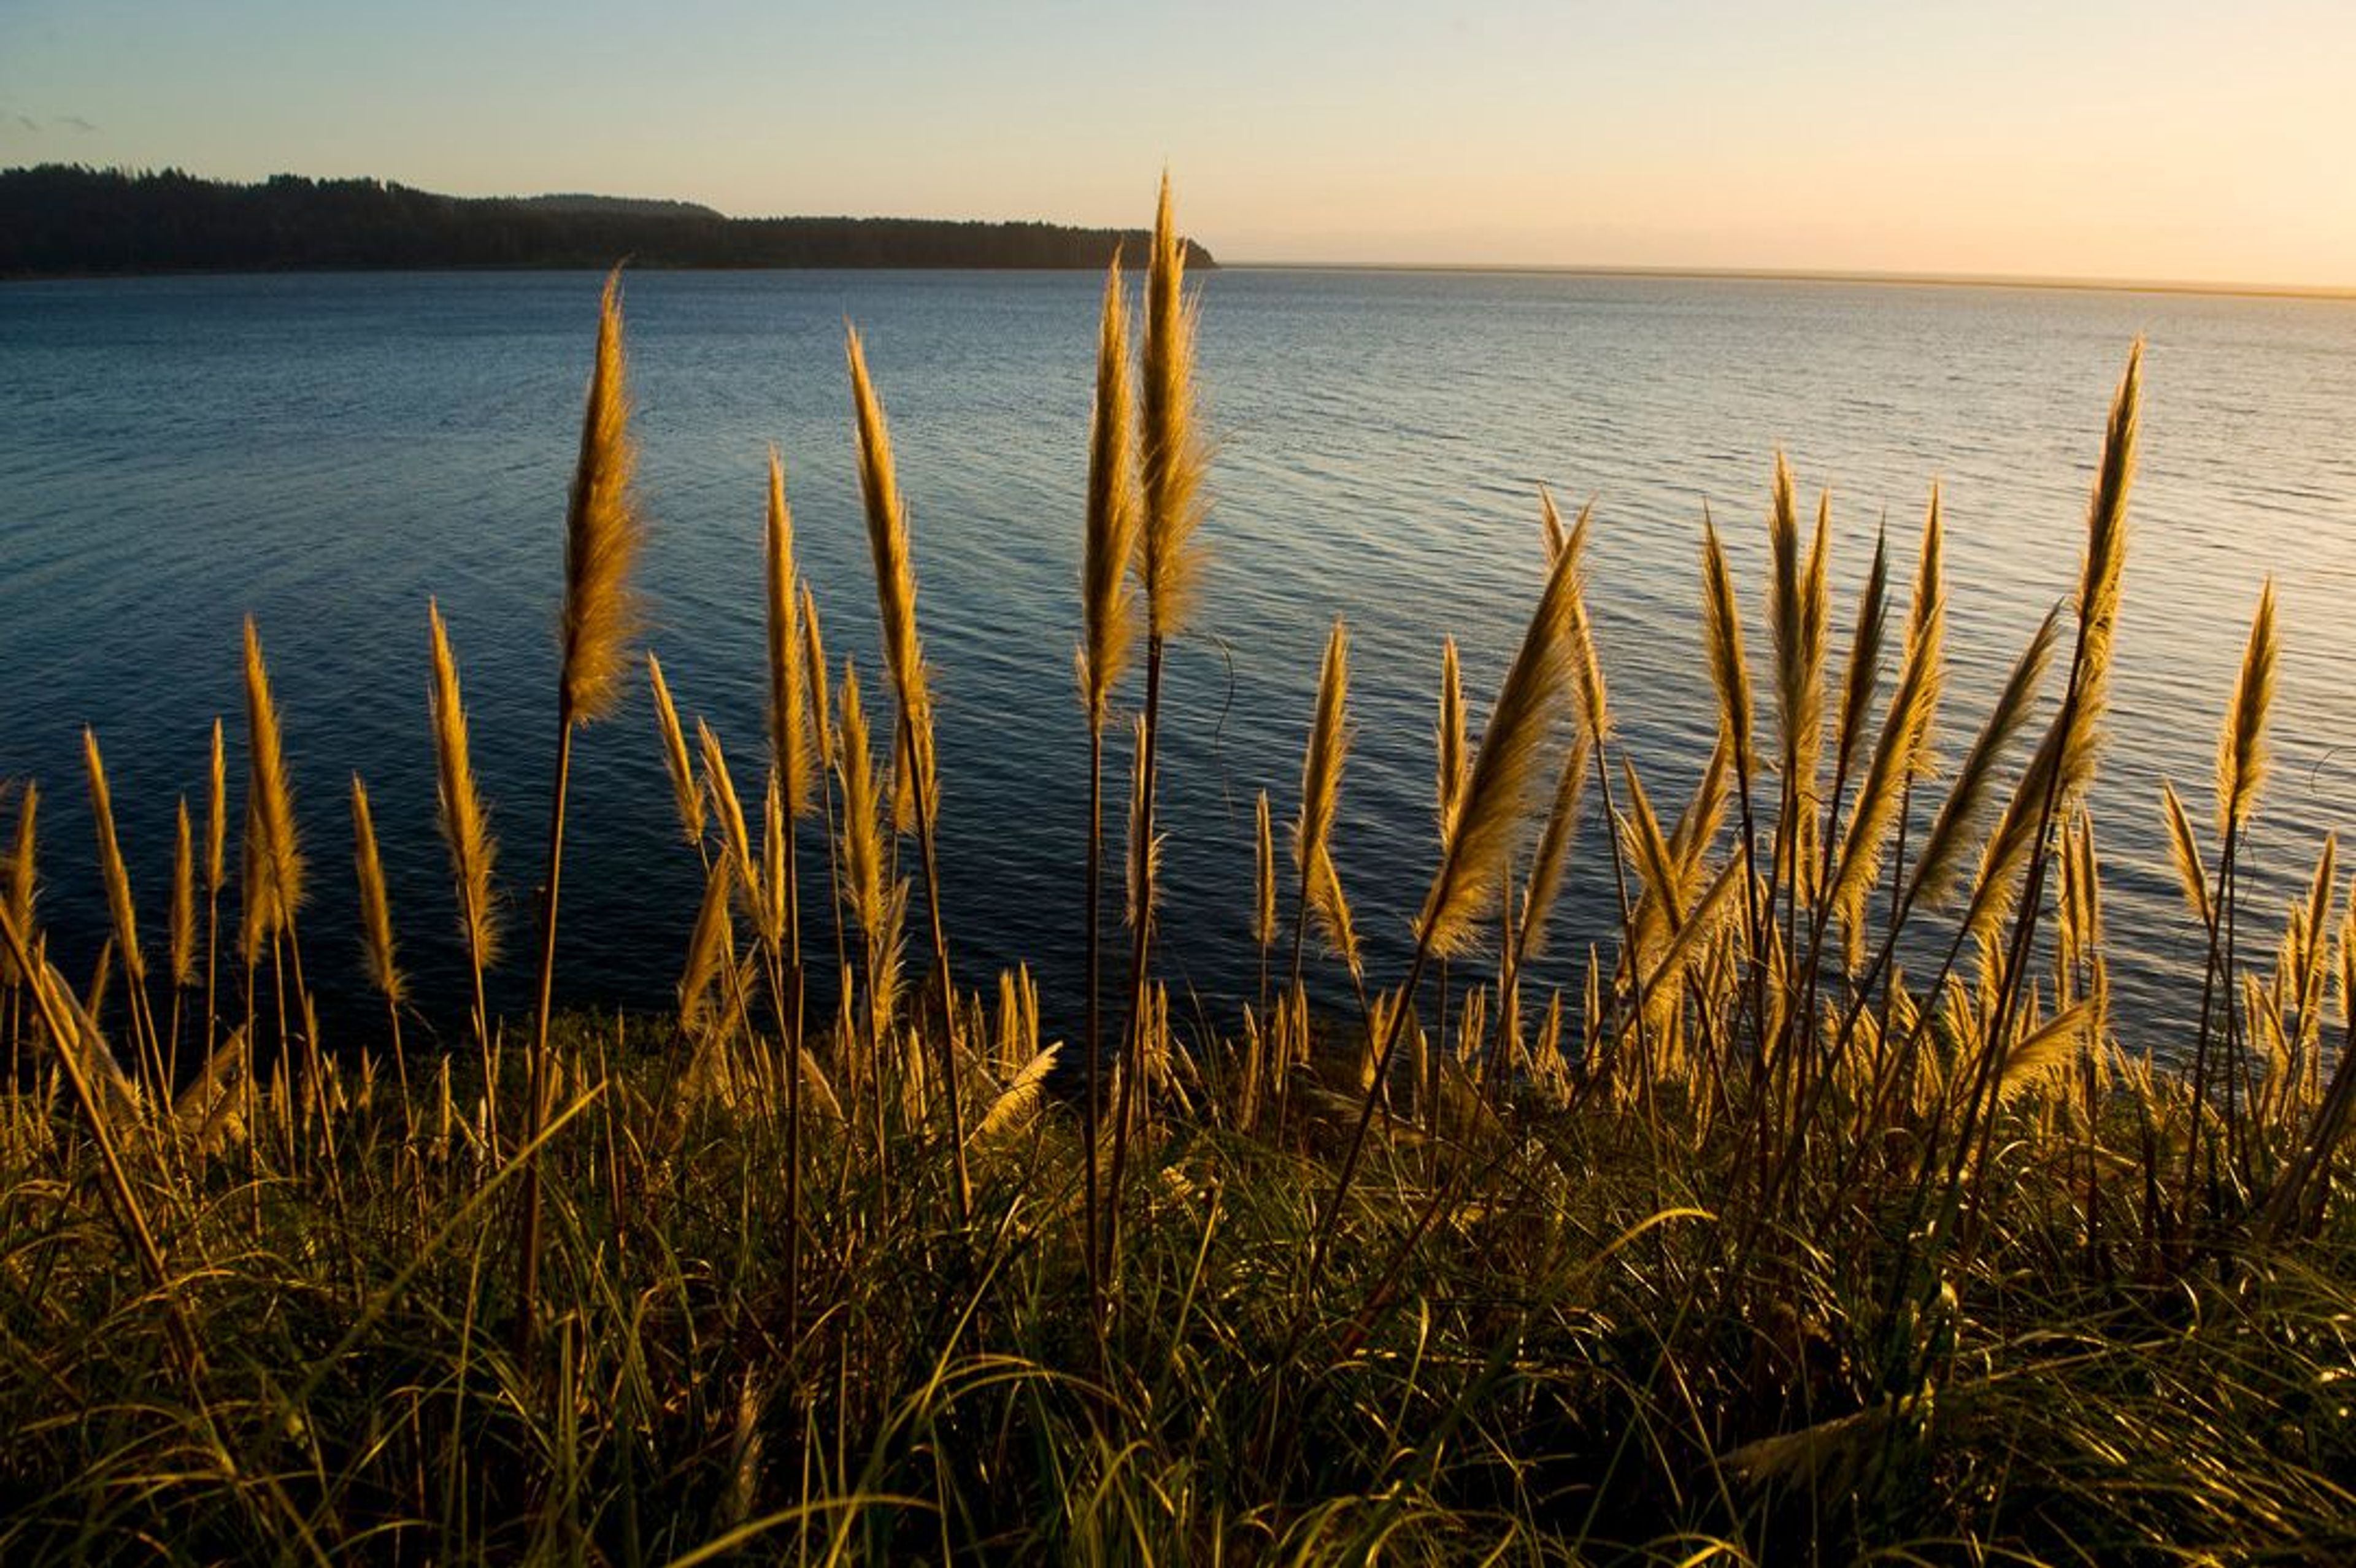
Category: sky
[2204,142]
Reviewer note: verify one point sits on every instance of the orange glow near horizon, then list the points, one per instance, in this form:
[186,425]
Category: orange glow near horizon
[2161,141]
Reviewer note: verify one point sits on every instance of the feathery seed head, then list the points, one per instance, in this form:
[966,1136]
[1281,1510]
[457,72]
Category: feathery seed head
[1328,750]
[1107,620]
[109,857]
[1722,630]
[466,825]
[789,737]
[685,794]
[2242,751]
[376,911]
[1264,903]
[822,723]
[275,854]
[1454,746]
[895,582]
[603,530]
[184,897]
[1506,770]
[1174,461]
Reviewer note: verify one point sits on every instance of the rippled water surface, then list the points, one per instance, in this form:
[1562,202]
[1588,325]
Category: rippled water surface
[326,451]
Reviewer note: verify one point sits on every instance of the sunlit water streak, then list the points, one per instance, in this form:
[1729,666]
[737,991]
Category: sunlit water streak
[326,451]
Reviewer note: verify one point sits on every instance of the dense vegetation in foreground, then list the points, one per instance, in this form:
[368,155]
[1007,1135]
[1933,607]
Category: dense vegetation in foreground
[1831,1219]
[62,220]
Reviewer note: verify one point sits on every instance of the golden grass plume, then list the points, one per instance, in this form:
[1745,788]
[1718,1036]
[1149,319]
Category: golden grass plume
[1107,614]
[466,825]
[1168,563]
[603,530]
[376,910]
[790,735]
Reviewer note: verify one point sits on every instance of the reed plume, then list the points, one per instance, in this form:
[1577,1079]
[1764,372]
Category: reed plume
[465,824]
[117,878]
[1169,568]
[1168,564]
[913,767]
[2184,854]
[1722,637]
[183,923]
[685,794]
[708,947]
[1450,744]
[2242,752]
[728,809]
[216,870]
[1321,764]
[1264,878]
[1552,856]
[1108,623]
[273,846]
[1864,672]
[1506,768]
[790,734]
[602,531]
[1107,618]
[814,675]
[376,911]
[1900,749]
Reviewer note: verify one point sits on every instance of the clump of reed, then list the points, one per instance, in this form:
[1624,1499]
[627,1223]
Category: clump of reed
[1830,1214]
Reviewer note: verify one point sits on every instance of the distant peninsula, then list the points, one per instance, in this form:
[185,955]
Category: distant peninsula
[67,221]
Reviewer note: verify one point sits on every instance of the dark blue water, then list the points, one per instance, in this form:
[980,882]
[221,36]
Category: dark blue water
[326,452]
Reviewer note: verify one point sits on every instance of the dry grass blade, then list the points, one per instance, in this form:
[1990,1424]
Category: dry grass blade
[603,530]
[376,911]
[1173,457]
[1107,615]
[1510,762]
[2242,748]
[789,736]
[466,825]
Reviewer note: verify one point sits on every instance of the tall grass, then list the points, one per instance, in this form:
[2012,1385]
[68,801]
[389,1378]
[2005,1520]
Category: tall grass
[1830,1218]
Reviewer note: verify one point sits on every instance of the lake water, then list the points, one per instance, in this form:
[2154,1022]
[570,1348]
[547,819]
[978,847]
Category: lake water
[326,452]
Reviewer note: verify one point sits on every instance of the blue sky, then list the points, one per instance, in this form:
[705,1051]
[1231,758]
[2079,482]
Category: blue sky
[2162,140]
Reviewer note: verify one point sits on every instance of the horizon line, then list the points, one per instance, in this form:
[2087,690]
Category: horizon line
[1826,275]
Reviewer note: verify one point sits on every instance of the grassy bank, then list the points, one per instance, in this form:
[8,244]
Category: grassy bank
[1832,1218]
